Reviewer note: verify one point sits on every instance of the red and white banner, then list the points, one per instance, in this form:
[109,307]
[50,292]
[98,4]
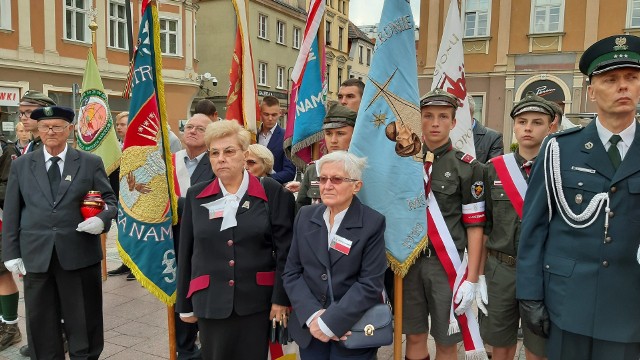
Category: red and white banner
[513,182]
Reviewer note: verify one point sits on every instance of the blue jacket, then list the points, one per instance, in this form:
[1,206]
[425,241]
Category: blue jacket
[284,168]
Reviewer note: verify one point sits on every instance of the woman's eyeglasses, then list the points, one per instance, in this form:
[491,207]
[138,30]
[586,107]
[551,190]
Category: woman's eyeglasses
[228,152]
[250,162]
[335,180]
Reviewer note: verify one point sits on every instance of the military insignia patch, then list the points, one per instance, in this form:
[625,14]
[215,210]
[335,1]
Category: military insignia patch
[477,189]
[468,158]
[48,111]
[621,44]
[447,174]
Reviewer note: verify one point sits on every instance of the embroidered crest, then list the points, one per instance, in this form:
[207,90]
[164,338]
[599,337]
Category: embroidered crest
[447,174]
[468,158]
[477,189]
[48,111]
[621,44]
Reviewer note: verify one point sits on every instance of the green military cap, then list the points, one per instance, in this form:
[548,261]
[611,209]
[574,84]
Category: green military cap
[532,103]
[339,116]
[36,98]
[439,97]
[53,112]
[610,53]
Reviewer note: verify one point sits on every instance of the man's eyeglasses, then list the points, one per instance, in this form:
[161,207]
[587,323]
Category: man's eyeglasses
[335,180]
[250,162]
[228,152]
[25,114]
[56,129]
[199,129]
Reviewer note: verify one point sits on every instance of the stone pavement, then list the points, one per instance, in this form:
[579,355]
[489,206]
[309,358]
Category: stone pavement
[135,322]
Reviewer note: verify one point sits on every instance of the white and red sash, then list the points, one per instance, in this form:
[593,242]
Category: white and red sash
[181,177]
[456,270]
[513,182]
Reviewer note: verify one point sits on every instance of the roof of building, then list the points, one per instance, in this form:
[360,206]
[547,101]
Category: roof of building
[287,5]
[356,33]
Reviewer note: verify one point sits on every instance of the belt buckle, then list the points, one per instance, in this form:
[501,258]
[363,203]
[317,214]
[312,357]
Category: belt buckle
[510,260]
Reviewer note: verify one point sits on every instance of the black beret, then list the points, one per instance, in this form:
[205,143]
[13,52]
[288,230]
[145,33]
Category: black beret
[532,103]
[339,116]
[610,53]
[53,112]
[439,97]
[36,98]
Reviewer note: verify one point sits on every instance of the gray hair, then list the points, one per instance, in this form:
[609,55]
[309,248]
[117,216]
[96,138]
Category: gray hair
[352,164]
[472,104]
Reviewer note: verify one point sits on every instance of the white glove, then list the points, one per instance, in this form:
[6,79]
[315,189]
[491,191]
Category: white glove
[482,298]
[465,295]
[92,225]
[16,266]
[293,186]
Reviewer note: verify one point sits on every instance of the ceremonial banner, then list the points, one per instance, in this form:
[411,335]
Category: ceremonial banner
[306,102]
[449,76]
[388,133]
[147,206]
[242,101]
[96,133]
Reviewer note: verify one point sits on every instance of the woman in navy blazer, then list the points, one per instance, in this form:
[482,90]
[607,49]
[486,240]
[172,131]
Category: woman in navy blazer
[347,237]
[234,239]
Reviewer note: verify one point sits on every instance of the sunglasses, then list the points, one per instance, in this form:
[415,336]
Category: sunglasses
[335,180]
[250,162]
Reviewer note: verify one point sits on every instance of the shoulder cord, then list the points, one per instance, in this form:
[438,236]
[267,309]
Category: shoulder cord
[552,157]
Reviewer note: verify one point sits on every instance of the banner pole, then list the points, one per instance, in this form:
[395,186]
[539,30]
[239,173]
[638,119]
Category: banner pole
[103,243]
[171,324]
[397,317]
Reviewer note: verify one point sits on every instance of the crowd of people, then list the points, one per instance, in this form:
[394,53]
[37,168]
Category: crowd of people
[548,231]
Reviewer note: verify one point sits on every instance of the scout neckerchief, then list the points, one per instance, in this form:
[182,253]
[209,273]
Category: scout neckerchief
[181,177]
[513,182]
[456,269]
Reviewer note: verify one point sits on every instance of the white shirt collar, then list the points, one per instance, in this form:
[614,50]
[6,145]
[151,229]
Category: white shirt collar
[337,221]
[270,132]
[626,134]
[62,155]
[199,157]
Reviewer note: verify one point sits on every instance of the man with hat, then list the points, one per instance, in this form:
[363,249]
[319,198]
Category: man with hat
[578,265]
[506,176]
[46,239]
[30,101]
[455,182]
[338,129]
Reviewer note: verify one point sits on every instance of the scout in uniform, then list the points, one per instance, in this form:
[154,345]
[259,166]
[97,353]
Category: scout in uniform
[507,176]
[578,267]
[456,180]
[30,101]
[338,129]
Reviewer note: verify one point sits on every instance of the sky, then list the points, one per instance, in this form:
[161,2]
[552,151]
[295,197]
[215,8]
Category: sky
[367,12]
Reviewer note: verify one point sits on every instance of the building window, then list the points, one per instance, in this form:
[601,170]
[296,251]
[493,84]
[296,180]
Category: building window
[340,36]
[76,14]
[327,35]
[478,110]
[262,26]
[328,78]
[360,49]
[368,56]
[117,25]
[547,16]
[476,17]
[169,36]
[281,30]
[262,73]
[340,76]
[340,6]
[280,78]
[5,14]
[633,14]
[296,37]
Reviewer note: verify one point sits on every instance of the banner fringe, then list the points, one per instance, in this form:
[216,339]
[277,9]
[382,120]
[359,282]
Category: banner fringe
[476,355]
[308,141]
[454,328]
[401,268]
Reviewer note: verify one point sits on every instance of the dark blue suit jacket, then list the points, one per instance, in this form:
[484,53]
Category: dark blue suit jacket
[357,278]
[588,281]
[284,168]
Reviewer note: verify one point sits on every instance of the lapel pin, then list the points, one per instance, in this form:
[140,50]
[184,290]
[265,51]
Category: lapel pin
[245,205]
[447,174]
[68,178]
[588,145]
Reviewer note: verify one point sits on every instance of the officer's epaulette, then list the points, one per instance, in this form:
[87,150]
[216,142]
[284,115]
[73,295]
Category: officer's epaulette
[468,158]
[567,131]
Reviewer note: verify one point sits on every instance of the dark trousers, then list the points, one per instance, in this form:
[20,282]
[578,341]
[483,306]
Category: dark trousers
[186,335]
[332,350]
[73,295]
[564,345]
[236,337]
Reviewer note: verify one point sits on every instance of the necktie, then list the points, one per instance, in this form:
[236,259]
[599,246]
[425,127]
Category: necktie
[427,166]
[527,167]
[614,153]
[54,176]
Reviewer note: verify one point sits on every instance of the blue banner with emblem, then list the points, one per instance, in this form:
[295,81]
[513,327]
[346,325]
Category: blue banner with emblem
[388,133]
[147,204]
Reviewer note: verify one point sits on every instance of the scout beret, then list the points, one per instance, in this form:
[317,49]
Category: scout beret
[36,98]
[610,53]
[339,116]
[53,112]
[532,103]
[439,97]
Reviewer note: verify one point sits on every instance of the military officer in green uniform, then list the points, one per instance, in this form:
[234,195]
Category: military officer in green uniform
[338,129]
[30,101]
[458,188]
[506,176]
[578,268]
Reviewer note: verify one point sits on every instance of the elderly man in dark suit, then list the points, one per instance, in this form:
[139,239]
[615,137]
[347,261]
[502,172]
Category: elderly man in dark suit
[272,136]
[46,239]
[488,142]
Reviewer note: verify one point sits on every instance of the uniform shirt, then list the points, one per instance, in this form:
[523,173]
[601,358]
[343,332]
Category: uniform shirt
[626,135]
[309,192]
[62,156]
[456,182]
[503,223]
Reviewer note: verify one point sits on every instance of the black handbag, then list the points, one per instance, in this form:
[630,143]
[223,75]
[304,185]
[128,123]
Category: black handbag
[374,329]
